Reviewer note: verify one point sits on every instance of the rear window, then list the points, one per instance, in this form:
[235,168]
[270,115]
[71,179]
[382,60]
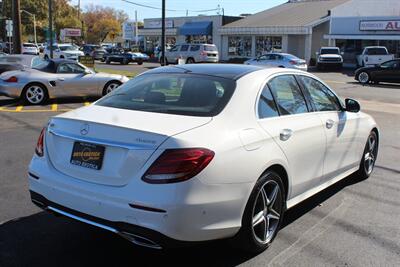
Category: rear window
[210,48]
[182,94]
[29,45]
[376,51]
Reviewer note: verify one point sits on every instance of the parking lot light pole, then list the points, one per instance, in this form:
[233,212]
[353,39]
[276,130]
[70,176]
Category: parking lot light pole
[163,34]
[34,23]
[51,27]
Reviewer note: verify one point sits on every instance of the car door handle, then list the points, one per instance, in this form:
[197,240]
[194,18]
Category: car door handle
[61,79]
[329,124]
[285,134]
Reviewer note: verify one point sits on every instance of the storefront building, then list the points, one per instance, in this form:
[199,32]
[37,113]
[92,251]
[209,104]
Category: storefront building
[360,23]
[301,27]
[196,29]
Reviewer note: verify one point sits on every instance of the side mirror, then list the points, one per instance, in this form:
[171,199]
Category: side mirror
[352,105]
[87,71]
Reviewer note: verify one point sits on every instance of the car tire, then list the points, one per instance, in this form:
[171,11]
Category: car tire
[190,60]
[102,60]
[125,61]
[108,61]
[140,62]
[364,77]
[34,94]
[369,156]
[110,86]
[61,56]
[260,215]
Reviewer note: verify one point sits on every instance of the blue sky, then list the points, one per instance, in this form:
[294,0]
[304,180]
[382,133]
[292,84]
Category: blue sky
[231,7]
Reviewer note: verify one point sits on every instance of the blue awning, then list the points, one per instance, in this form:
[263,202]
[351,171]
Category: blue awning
[196,28]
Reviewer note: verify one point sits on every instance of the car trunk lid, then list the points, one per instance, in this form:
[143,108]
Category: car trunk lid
[128,138]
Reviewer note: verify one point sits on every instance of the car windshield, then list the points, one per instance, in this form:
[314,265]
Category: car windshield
[183,94]
[68,47]
[329,51]
[377,51]
[43,65]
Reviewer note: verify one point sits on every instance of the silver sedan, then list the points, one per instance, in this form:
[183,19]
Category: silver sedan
[281,60]
[57,78]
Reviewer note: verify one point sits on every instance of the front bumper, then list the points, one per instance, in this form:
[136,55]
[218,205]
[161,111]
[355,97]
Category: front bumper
[12,90]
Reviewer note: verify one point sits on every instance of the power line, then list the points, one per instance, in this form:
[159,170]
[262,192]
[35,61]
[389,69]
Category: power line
[171,10]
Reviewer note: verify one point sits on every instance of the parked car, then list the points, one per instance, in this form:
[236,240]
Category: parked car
[329,57]
[18,62]
[121,56]
[373,55]
[58,77]
[281,60]
[147,161]
[29,49]
[99,54]
[67,51]
[141,56]
[88,49]
[192,53]
[388,71]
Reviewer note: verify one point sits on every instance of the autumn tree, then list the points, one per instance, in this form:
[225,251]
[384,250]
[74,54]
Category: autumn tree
[102,21]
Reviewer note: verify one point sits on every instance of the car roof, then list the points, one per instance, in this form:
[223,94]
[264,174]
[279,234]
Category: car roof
[229,71]
[329,47]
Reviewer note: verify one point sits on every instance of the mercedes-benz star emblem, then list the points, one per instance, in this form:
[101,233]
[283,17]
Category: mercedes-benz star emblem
[85,129]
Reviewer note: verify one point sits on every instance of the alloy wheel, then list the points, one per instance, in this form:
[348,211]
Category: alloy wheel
[363,77]
[370,154]
[267,212]
[35,94]
[111,87]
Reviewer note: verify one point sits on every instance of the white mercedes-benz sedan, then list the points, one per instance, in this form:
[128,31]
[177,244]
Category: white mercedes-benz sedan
[201,152]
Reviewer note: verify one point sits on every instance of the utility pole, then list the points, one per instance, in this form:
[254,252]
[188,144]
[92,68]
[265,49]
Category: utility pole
[136,29]
[17,26]
[79,9]
[51,27]
[163,34]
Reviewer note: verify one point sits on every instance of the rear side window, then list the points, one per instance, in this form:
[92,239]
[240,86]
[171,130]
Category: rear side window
[288,95]
[322,98]
[183,94]
[266,105]
[210,48]
[194,48]
[184,48]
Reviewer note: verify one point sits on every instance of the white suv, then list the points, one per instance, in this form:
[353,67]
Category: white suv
[329,57]
[67,51]
[192,53]
[30,49]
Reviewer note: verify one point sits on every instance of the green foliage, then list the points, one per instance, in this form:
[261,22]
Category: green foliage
[98,21]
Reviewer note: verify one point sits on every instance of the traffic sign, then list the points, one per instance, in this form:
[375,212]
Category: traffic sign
[88,61]
[9,28]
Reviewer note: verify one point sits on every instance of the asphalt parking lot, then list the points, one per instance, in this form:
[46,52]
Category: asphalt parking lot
[352,223]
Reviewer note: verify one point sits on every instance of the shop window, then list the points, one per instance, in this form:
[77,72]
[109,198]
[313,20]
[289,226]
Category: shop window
[266,44]
[239,46]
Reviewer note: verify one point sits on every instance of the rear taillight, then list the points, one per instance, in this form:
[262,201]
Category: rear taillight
[293,62]
[177,165]
[12,79]
[39,150]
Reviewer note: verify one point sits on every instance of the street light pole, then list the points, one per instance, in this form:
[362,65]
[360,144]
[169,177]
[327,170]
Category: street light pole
[51,27]
[34,23]
[163,34]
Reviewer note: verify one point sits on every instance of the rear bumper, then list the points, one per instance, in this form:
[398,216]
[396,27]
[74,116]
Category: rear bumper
[186,212]
[10,89]
[136,234]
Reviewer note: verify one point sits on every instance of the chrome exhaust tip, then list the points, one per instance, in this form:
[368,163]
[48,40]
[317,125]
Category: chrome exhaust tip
[140,240]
